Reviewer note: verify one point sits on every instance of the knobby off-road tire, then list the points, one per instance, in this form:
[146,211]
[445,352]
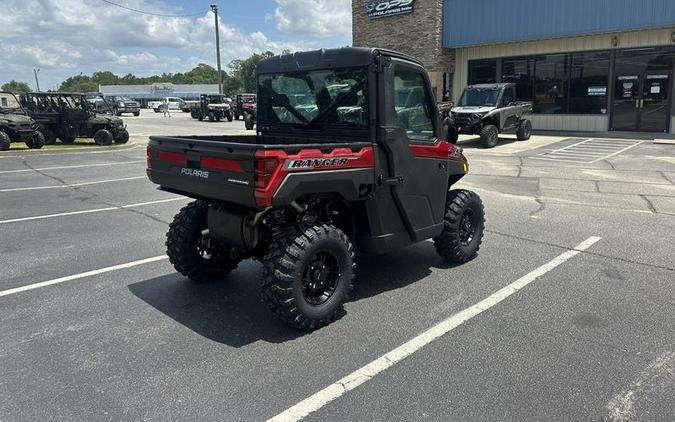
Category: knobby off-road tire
[212,117]
[229,117]
[123,137]
[103,137]
[463,227]
[5,141]
[308,274]
[524,131]
[37,141]
[489,136]
[137,113]
[50,136]
[188,249]
[248,121]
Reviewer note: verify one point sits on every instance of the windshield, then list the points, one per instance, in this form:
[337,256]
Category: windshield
[479,97]
[320,97]
[9,103]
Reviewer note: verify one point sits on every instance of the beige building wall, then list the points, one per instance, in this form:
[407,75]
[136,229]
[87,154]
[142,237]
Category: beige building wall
[647,38]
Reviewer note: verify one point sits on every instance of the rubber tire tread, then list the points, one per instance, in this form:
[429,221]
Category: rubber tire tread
[37,142]
[485,135]
[180,244]
[523,133]
[447,244]
[5,141]
[285,252]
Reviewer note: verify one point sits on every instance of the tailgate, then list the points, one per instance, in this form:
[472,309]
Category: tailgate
[221,171]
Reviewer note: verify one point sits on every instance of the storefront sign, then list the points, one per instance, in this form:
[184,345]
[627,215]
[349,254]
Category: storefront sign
[597,91]
[382,8]
[159,88]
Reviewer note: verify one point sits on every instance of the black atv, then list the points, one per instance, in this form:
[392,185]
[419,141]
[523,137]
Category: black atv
[350,166]
[68,116]
[213,107]
[490,109]
[16,125]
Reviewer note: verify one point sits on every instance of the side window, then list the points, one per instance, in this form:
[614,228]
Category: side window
[508,97]
[413,104]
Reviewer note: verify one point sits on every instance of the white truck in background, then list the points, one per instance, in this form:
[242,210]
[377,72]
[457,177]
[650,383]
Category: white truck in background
[175,103]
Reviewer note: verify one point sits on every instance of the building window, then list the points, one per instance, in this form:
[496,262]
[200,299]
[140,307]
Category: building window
[550,84]
[521,72]
[589,75]
[482,72]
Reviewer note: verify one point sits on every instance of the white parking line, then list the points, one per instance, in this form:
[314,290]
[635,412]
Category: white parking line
[40,153]
[72,185]
[81,275]
[618,152]
[65,214]
[73,167]
[367,372]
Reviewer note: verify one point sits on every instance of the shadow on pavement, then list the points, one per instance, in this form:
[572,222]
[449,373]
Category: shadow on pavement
[229,311]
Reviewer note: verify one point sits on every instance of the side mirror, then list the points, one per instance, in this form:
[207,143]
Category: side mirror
[449,130]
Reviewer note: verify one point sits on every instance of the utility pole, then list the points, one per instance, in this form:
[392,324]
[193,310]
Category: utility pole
[214,9]
[37,83]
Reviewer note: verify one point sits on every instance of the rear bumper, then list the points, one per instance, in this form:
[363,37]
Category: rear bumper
[129,109]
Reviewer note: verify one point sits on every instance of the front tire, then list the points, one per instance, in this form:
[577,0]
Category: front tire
[192,253]
[123,138]
[37,141]
[229,117]
[5,141]
[212,117]
[464,223]
[50,136]
[248,121]
[489,136]
[524,131]
[103,137]
[308,274]
[137,113]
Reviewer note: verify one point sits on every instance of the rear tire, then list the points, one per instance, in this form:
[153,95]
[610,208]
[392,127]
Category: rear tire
[137,113]
[489,136]
[248,121]
[230,117]
[308,274]
[37,141]
[524,131]
[103,137]
[5,142]
[212,117]
[464,223]
[191,253]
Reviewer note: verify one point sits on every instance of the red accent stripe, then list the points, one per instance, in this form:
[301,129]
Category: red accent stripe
[441,149]
[174,157]
[212,163]
[364,158]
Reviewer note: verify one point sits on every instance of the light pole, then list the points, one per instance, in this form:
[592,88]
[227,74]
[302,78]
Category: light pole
[37,83]
[214,9]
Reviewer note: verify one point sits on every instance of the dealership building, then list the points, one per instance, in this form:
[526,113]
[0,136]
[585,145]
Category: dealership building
[587,65]
[157,91]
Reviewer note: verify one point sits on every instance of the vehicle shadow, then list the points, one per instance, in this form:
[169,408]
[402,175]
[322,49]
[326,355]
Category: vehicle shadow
[474,142]
[229,311]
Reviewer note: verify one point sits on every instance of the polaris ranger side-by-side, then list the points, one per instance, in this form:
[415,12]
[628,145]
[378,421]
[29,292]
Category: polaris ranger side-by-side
[490,109]
[341,162]
[213,107]
[16,125]
[69,116]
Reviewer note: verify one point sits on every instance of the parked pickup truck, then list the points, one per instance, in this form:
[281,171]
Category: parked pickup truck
[328,173]
[175,103]
[490,109]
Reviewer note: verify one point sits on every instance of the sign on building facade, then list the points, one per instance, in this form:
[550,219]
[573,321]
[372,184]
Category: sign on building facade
[376,9]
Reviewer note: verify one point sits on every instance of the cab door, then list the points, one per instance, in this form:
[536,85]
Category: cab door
[417,159]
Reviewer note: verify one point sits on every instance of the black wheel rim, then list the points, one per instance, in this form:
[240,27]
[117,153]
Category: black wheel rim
[320,278]
[467,227]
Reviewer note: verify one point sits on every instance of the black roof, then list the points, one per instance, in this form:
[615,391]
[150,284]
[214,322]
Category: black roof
[327,58]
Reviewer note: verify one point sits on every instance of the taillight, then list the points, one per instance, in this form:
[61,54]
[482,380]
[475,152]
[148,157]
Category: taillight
[264,169]
[148,155]
[456,154]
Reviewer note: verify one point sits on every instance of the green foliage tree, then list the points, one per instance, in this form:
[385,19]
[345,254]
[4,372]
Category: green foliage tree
[244,70]
[16,87]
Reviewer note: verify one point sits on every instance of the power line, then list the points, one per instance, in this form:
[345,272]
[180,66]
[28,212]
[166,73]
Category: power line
[151,13]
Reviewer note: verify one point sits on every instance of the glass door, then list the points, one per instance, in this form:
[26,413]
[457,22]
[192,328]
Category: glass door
[655,103]
[625,110]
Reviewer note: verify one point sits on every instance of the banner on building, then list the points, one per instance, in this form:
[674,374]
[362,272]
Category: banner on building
[376,9]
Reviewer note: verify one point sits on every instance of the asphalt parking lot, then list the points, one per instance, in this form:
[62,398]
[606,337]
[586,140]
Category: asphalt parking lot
[567,313]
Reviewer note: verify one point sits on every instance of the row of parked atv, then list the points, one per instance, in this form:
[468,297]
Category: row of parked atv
[39,119]
[215,107]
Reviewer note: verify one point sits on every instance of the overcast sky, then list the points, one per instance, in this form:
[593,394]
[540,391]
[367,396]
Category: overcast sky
[66,37]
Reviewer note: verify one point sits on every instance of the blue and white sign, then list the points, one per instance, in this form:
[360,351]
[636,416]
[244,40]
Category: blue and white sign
[383,8]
